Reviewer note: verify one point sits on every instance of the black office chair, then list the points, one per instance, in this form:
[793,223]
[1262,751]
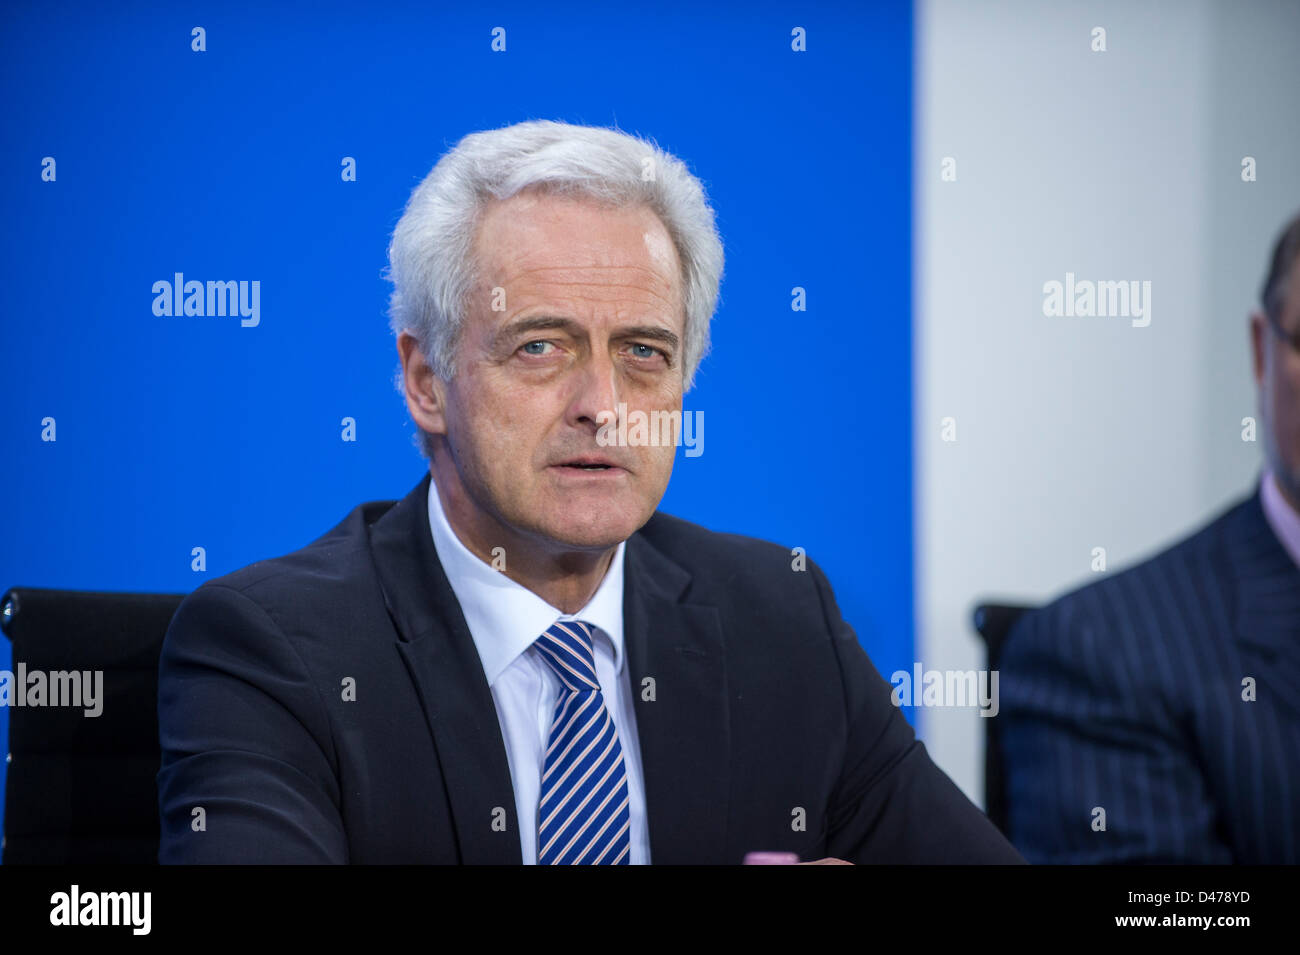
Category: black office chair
[994,622]
[81,789]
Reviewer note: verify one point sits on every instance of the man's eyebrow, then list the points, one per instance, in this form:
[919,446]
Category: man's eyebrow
[536,323]
[547,322]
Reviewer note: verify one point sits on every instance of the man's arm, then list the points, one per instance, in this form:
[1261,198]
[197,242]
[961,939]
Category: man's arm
[248,769]
[892,803]
[1088,727]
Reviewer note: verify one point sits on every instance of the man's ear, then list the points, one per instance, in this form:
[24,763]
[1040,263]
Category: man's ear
[1259,332]
[425,391]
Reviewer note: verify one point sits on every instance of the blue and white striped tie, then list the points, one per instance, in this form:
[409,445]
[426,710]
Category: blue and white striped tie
[583,816]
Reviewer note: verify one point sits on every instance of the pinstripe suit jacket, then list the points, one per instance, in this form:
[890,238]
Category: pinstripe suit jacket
[1127,695]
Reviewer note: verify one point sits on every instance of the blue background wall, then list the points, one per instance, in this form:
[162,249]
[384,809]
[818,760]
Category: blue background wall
[182,432]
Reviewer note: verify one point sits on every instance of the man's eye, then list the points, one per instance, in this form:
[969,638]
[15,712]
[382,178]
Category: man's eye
[646,351]
[535,348]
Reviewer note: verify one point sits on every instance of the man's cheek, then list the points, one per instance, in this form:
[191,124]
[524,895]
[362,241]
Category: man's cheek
[660,467]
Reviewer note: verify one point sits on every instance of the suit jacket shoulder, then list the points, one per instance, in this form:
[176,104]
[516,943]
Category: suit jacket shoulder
[749,571]
[1188,579]
[1123,706]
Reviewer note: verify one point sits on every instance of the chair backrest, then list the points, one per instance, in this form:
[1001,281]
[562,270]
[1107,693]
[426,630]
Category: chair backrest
[81,788]
[994,622]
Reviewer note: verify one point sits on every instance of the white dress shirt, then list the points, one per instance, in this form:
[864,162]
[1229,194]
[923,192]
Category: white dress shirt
[505,618]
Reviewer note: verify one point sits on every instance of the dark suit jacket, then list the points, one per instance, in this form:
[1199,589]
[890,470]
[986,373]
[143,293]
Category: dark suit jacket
[764,705]
[1127,694]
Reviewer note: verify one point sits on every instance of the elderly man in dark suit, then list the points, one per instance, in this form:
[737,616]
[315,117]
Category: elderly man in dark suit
[523,660]
[1154,716]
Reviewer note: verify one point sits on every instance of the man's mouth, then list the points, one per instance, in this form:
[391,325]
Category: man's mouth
[589,464]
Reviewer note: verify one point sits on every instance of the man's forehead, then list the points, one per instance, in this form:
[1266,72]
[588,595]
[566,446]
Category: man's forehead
[661,249]
[561,241]
[567,230]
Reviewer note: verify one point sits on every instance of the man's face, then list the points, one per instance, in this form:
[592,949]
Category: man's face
[589,316]
[1277,374]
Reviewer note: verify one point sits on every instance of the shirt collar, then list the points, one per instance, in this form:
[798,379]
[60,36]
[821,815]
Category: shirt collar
[1281,516]
[504,617]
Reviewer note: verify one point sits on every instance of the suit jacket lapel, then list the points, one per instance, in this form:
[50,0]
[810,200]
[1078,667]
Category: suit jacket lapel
[435,643]
[683,726]
[1268,605]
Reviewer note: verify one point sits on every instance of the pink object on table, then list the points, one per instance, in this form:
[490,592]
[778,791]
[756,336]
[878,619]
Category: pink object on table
[771,858]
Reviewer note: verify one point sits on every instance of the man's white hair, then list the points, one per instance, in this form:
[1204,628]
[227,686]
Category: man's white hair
[431,262]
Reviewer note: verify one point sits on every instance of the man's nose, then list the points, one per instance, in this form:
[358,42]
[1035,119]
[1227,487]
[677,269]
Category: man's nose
[596,393]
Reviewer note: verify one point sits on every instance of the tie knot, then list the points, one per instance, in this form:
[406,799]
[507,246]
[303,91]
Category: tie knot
[567,648]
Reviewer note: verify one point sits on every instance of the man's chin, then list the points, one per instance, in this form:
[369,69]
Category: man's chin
[589,532]
[593,539]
